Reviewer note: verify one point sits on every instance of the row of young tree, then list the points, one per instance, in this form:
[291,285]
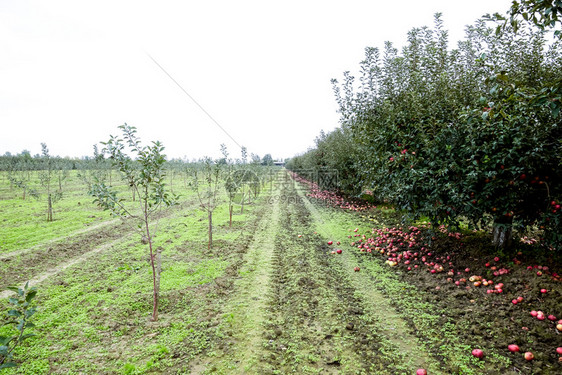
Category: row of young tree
[470,134]
[44,176]
[144,171]
[143,168]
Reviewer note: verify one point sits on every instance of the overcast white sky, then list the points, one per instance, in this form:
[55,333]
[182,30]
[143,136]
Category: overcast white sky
[72,71]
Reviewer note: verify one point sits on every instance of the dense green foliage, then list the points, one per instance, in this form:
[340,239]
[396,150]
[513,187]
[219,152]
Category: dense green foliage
[470,133]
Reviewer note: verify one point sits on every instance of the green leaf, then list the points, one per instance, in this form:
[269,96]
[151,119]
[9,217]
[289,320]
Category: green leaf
[8,365]
[27,335]
[30,296]
[15,313]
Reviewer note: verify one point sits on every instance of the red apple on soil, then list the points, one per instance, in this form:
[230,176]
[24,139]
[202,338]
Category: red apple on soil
[330,242]
[551,317]
[540,316]
[513,348]
[519,299]
[529,356]
[559,350]
[339,251]
[421,371]
[559,327]
[534,314]
[478,353]
[356,269]
[544,291]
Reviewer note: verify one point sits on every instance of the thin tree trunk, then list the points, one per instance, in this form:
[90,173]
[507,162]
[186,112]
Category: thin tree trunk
[502,233]
[49,208]
[243,198]
[230,209]
[210,229]
[156,283]
[172,182]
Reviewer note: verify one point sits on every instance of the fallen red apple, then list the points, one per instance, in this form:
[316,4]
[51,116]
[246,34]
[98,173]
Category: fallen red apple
[513,348]
[559,327]
[540,316]
[544,291]
[559,350]
[357,269]
[551,317]
[478,353]
[330,242]
[534,314]
[529,356]
[339,251]
[421,371]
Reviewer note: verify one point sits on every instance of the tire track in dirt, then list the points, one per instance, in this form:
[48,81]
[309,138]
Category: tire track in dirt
[79,232]
[246,310]
[316,321]
[374,303]
[53,271]
[28,265]
[36,267]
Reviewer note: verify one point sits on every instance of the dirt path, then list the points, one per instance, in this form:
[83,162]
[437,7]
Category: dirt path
[246,311]
[373,301]
[299,309]
[27,265]
[53,271]
[53,257]
[86,230]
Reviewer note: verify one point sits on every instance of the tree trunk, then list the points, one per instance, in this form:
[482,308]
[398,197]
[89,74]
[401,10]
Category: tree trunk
[157,283]
[155,278]
[49,208]
[502,233]
[243,198]
[172,182]
[230,209]
[210,229]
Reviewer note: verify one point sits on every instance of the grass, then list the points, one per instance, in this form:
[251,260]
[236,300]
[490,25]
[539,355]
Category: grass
[261,300]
